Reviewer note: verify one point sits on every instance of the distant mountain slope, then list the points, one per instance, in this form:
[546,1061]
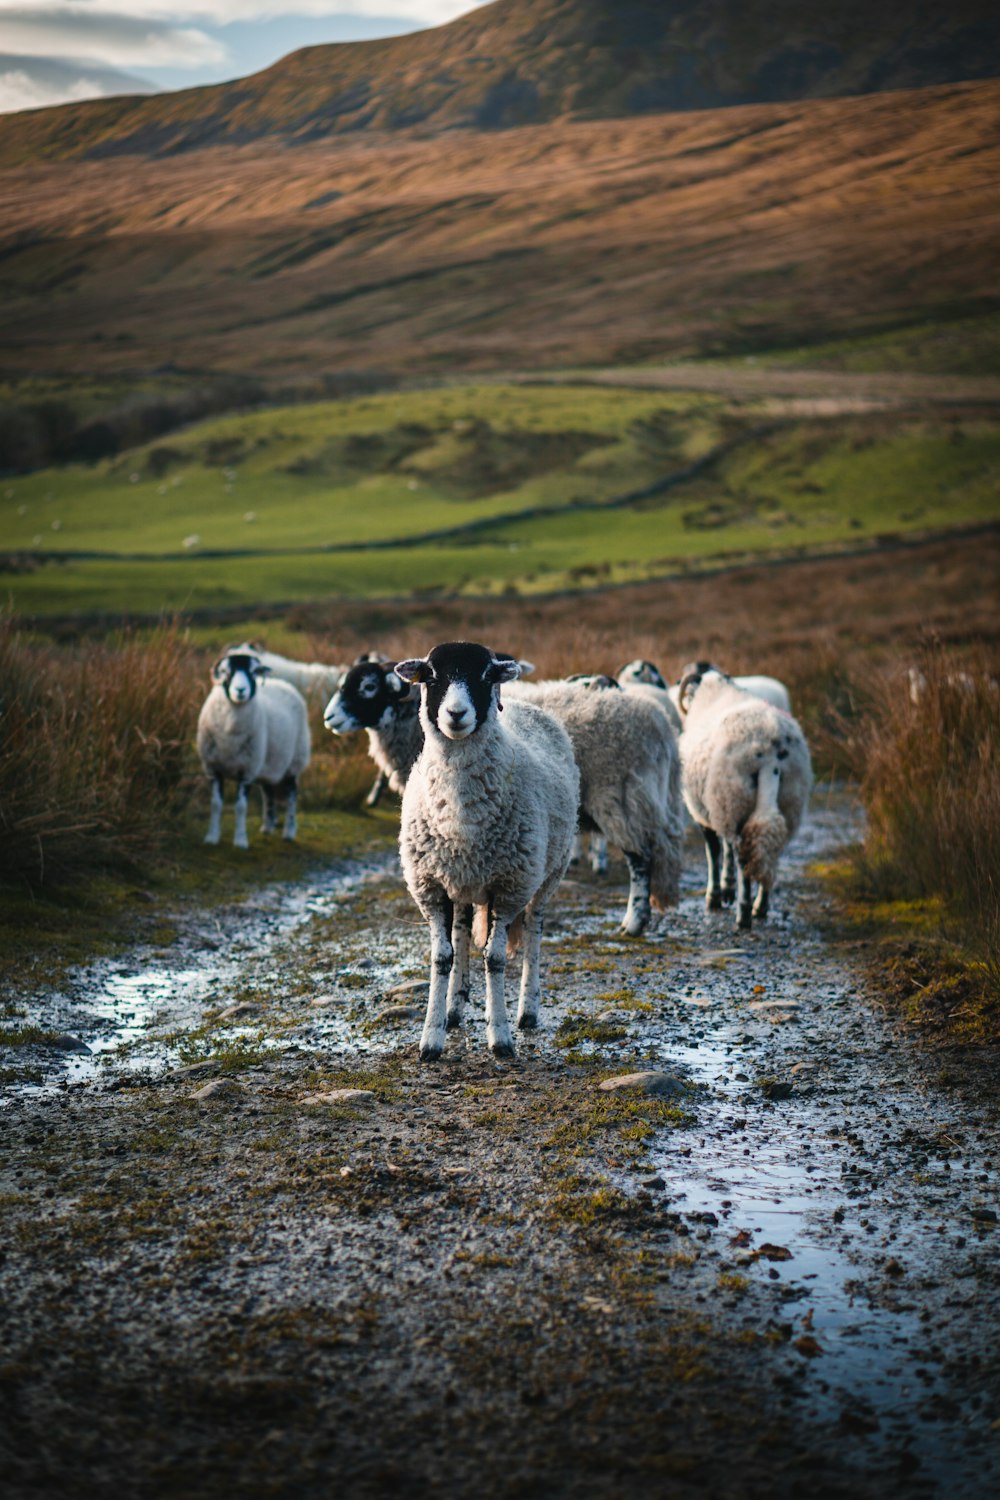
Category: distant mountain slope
[521,62]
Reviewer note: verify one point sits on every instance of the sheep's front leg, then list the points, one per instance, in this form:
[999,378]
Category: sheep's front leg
[762,903]
[458,986]
[379,786]
[713,848]
[439,919]
[531,971]
[728,873]
[291,789]
[215,816]
[637,912]
[270,800]
[240,834]
[498,1034]
[743,894]
[598,854]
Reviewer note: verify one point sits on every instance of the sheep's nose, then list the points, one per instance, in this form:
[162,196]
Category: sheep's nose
[456,715]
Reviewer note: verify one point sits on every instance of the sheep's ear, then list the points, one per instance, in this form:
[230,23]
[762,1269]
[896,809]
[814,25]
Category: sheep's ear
[217,669]
[415,669]
[527,667]
[688,684]
[260,670]
[504,669]
[395,684]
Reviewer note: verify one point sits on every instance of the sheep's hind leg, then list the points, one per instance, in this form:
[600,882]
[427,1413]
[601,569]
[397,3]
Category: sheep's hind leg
[269,796]
[762,903]
[498,1034]
[728,873]
[713,848]
[531,971]
[458,984]
[215,816]
[637,913]
[240,834]
[744,920]
[598,854]
[439,919]
[290,787]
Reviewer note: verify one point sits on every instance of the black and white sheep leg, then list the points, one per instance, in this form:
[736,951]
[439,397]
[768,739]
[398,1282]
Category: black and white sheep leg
[728,873]
[531,971]
[240,840]
[215,815]
[442,961]
[458,984]
[498,1033]
[713,851]
[638,911]
[290,787]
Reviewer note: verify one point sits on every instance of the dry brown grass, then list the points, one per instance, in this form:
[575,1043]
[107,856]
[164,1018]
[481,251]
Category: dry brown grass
[96,754]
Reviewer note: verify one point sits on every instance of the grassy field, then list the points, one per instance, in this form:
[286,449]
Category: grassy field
[480,489]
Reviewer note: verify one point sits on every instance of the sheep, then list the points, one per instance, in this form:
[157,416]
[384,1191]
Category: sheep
[768,688]
[372,696]
[488,816]
[308,676]
[629,783]
[746,779]
[642,678]
[252,730]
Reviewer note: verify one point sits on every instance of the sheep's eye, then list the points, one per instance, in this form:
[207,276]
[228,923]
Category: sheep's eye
[368,688]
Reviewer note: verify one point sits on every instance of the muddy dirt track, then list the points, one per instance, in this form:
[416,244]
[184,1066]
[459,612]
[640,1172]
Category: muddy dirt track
[778,1275]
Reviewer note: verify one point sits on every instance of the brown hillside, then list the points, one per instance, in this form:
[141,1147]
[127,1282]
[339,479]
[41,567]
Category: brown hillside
[664,236]
[518,62]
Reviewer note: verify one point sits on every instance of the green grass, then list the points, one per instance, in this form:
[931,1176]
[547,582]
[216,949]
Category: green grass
[484,460]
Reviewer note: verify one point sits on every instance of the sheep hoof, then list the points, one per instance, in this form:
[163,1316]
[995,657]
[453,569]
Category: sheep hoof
[243,843]
[713,901]
[429,1053]
[211,838]
[728,895]
[454,1020]
[502,1049]
[527,1022]
[744,921]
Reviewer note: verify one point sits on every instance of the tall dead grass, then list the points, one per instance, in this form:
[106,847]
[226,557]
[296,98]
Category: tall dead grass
[929,769]
[96,752]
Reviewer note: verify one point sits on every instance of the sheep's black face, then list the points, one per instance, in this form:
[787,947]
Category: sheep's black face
[460,679]
[368,692]
[237,675]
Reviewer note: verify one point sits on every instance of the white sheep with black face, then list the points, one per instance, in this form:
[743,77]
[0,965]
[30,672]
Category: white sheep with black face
[371,696]
[644,679]
[251,730]
[309,677]
[746,778]
[489,812]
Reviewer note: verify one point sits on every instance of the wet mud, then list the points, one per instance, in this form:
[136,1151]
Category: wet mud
[252,1246]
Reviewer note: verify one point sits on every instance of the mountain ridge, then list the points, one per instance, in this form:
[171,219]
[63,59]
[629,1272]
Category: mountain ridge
[524,62]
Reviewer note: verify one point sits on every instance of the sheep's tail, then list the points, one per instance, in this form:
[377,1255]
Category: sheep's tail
[481,918]
[765,833]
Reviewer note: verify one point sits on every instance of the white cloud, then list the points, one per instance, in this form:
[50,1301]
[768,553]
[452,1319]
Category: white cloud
[37,17]
[40,82]
[119,40]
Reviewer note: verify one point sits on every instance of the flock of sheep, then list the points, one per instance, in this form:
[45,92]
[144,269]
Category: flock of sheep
[499,776]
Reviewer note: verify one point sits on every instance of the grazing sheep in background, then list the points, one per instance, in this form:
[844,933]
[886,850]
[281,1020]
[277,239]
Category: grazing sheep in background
[630,792]
[747,777]
[308,676]
[371,696]
[488,817]
[250,730]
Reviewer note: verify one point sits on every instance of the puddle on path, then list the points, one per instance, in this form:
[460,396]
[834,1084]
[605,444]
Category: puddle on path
[121,1011]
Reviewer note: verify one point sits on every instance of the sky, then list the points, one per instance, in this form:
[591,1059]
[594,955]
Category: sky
[83,49]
